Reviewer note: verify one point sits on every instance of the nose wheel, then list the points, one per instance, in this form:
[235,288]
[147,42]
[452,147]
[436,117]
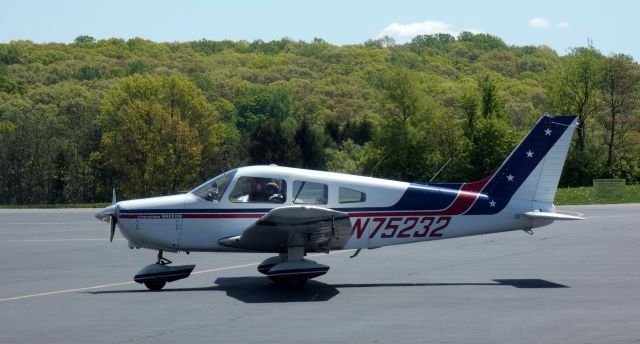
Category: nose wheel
[155,276]
[155,285]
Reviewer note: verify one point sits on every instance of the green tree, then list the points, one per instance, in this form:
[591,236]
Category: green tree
[469,107]
[572,87]
[256,103]
[270,145]
[84,39]
[491,105]
[155,130]
[347,158]
[619,81]
[76,107]
[401,99]
[439,41]
[310,143]
[138,66]
[30,142]
[493,141]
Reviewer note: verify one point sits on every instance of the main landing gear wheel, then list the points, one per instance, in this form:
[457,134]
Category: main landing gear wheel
[292,271]
[155,285]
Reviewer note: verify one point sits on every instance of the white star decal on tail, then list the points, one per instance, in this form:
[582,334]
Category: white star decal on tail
[492,204]
[547,132]
[529,154]
[510,177]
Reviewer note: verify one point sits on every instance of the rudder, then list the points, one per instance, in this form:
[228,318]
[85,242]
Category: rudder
[532,171]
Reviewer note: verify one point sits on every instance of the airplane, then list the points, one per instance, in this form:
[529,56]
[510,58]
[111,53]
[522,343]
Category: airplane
[292,212]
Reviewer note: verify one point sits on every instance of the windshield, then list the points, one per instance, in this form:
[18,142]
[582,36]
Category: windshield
[213,189]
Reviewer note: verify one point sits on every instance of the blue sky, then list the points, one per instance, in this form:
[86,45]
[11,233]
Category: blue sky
[558,24]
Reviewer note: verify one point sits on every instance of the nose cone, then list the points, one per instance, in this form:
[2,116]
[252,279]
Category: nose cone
[104,214]
[151,204]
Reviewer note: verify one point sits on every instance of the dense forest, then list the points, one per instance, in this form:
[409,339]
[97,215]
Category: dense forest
[157,118]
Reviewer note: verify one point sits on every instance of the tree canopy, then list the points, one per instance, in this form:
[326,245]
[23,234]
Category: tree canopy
[156,118]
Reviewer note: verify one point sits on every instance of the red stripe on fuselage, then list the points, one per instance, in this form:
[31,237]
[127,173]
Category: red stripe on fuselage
[469,192]
[190,216]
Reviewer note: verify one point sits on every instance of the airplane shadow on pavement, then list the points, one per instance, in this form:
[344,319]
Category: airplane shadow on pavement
[261,290]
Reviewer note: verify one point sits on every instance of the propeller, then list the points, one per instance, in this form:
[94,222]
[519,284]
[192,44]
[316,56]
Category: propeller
[110,214]
[113,220]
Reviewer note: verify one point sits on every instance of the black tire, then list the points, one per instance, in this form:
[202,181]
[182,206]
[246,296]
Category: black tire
[155,285]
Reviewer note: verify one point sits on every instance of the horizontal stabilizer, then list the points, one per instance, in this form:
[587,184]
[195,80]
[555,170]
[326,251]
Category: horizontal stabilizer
[551,216]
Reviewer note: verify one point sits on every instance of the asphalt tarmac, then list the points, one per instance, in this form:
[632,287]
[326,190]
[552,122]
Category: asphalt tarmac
[571,282]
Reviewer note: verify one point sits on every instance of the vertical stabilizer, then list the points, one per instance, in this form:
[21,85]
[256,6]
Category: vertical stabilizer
[532,171]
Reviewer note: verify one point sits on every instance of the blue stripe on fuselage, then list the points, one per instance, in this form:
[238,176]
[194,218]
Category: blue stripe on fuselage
[417,197]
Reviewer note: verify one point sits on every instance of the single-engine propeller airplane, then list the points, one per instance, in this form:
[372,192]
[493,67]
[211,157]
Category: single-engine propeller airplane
[291,211]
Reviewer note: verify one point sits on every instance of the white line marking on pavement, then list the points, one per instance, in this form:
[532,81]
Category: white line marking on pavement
[55,231]
[570,213]
[615,215]
[49,223]
[55,240]
[65,291]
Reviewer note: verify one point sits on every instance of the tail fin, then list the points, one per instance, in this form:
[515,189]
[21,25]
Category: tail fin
[532,171]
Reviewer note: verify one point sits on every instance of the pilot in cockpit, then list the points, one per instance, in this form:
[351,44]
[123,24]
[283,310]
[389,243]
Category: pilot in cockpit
[258,191]
[264,190]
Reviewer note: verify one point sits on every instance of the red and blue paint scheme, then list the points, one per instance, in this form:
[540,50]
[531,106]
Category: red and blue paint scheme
[320,211]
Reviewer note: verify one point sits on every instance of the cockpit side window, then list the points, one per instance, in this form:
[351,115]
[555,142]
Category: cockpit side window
[346,195]
[213,189]
[259,190]
[309,192]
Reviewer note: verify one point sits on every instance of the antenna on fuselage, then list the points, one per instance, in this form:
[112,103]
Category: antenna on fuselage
[440,170]
[377,164]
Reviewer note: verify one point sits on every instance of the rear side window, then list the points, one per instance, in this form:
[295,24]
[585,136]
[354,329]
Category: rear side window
[309,192]
[346,195]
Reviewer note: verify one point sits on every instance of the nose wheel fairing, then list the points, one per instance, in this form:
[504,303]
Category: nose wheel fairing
[155,276]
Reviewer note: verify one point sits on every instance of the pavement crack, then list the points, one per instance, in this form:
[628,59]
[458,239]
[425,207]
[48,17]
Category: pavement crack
[236,318]
[161,334]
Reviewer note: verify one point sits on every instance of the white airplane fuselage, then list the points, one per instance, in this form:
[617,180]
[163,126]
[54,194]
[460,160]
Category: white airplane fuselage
[187,222]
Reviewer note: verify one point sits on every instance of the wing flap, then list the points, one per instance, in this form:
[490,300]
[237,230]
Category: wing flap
[315,228]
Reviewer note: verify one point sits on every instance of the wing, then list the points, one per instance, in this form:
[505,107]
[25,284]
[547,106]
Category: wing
[314,228]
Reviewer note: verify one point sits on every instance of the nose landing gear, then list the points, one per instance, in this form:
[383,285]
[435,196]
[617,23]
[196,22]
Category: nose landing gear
[155,276]
[162,260]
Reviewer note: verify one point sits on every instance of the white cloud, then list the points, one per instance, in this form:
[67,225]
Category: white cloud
[543,23]
[539,22]
[473,30]
[403,32]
